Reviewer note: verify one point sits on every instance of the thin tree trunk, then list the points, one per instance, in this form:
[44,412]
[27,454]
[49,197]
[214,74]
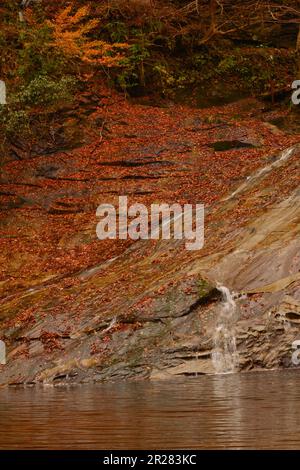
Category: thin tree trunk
[298,41]
[213,9]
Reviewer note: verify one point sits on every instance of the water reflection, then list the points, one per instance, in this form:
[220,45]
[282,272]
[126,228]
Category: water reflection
[257,410]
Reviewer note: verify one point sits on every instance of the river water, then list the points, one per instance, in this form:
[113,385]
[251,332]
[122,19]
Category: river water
[237,411]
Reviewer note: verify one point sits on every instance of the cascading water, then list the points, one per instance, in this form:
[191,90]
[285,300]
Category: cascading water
[282,158]
[225,356]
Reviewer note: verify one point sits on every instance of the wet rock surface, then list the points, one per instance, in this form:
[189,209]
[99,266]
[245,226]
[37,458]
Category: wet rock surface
[74,309]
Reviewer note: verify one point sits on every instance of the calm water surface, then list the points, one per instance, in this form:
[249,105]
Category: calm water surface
[255,410]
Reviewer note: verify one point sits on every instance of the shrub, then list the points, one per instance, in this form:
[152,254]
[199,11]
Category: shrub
[14,121]
[45,91]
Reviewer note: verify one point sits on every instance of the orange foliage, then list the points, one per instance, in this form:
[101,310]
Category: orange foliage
[70,36]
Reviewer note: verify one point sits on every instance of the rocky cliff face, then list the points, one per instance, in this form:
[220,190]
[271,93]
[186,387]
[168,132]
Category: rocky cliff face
[150,310]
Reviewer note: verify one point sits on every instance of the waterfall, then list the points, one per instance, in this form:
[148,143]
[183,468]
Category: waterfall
[261,172]
[225,356]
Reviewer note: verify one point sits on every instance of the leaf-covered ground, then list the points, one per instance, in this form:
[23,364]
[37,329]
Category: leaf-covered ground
[152,154]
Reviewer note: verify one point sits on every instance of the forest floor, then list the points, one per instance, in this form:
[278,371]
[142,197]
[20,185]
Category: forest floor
[152,154]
